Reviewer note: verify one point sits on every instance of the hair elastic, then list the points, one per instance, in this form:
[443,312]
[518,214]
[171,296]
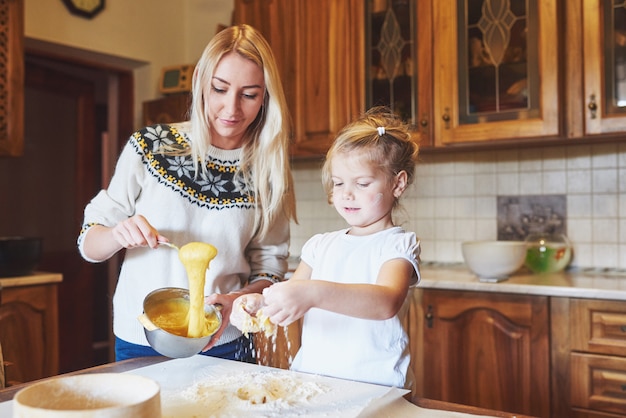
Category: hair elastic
[381,130]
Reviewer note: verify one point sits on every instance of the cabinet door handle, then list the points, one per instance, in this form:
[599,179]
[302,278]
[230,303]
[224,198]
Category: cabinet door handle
[446,118]
[623,328]
[593,106]
[429,316]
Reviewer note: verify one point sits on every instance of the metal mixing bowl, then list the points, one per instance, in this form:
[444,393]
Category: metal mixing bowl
[166,343]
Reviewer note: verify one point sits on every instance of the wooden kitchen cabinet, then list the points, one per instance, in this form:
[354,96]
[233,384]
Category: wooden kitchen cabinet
[489,350]
[599,34]
[320,54]
[495,71]
[589,358]
[29,331]
[167,109]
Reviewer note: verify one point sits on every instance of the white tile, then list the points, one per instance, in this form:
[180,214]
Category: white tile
[579,206]
[579,181]
[621,175]
[604,180]
[444,186]
[605,256]
[424,208]
[463,185]
[464,208]
[622,232]
[508,161]
[531,183]
[622,205]
[554,182]
[604,156]
[605,206]
[621,154]
[486,229]
[583,255]
[578,157]
[486,207]
[485,184]
[530,160]
[604,231]
[579,230]
[508,183]
[444,208]
[444,229]
[425,186]
[621,255]
[554,158]
[465,230]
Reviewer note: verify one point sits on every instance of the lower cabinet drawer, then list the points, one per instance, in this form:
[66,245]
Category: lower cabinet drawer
[598,382]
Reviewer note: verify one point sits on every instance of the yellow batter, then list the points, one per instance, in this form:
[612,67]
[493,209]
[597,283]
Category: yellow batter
[196,257]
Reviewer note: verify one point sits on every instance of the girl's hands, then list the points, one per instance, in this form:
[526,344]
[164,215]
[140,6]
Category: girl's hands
[288,301]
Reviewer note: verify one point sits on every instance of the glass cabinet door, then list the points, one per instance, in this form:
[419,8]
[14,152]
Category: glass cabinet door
[604,37]
[398,55]
[495,73]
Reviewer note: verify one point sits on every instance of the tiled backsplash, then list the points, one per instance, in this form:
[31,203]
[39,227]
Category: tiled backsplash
[454,199]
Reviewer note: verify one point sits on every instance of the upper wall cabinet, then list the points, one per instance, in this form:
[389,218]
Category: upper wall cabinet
[604,65]
[398,71]
[495,70]
[319,49]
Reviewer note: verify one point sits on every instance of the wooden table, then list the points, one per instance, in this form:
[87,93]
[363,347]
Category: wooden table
[123,366]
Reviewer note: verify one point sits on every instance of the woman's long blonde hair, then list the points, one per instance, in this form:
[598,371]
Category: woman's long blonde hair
[265,168]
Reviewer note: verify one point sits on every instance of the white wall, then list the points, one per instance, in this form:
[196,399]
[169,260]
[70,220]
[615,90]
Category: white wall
[454,199]
[158,33]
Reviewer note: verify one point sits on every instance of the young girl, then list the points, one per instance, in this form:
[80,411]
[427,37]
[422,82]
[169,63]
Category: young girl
[222,177]
[351,283]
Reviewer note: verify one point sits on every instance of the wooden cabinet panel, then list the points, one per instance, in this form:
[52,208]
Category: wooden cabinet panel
[448,124]
[12,78]
[598,326]
[319,47]
[599,382]
[487,350]
[29,332]
[167,109]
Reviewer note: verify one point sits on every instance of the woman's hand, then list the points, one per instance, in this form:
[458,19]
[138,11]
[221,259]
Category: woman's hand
[102,242]
[136,231]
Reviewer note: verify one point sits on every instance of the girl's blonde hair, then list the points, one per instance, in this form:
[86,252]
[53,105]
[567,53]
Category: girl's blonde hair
[265,168]
[382,138]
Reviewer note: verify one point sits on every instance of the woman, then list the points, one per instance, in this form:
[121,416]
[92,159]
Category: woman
[222,177]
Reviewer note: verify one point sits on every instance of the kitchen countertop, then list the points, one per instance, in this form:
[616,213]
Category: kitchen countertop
[38,277]
[156,367]
[587,284]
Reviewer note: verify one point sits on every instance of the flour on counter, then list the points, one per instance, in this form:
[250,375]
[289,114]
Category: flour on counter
[259,394]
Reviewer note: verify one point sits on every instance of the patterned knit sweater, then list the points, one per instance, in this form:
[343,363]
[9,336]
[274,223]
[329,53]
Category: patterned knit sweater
[211,208]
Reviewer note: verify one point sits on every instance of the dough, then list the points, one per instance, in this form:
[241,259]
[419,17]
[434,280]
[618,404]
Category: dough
[257,323]
[196,257]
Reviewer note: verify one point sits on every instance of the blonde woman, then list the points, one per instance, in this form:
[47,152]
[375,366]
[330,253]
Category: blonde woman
[222,177]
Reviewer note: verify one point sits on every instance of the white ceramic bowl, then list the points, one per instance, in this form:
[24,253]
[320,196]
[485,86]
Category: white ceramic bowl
[494,260]
[98,395]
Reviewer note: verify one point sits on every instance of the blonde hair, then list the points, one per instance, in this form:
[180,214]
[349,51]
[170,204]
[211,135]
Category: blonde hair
[382,138]
[265,168]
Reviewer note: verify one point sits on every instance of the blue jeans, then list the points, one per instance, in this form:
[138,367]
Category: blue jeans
[239,349]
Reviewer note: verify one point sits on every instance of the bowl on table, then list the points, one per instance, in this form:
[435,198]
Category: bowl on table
[173,342]
[19,255]
[494,260]
[97,395]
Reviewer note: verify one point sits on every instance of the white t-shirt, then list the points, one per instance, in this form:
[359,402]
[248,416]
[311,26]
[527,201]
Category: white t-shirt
[373,351]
